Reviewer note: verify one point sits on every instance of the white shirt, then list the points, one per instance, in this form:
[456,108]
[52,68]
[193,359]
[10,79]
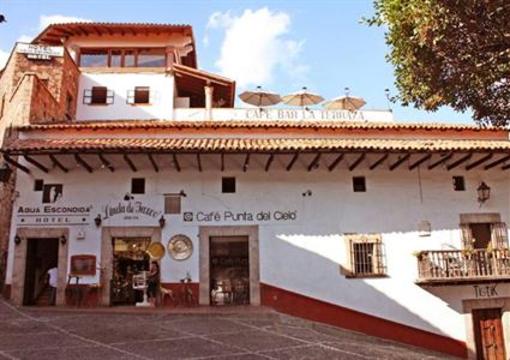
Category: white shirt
[53,277]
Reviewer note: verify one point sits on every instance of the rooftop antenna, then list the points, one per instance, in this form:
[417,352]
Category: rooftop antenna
[388,97]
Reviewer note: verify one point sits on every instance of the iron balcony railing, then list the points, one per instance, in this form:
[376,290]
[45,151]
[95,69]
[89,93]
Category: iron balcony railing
[464,265]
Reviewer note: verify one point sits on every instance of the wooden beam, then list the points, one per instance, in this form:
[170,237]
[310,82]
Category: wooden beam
[505,167]
[443,159]
[153,162]
[106,163]
[292,161]
[128,160]
[315,162]
[176,162]
[16,164]
[36,163]
[335,162]
[199,162]
[58,164]
[479,161]
[379,161]
[420,161]
[400,160]
[269,161]
[83,163]
[358,161]
[222,159]
[497,162]
[246,162]
[459,161]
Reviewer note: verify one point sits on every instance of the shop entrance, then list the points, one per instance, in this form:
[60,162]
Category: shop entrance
[129,258]
[488,334]
[229,270]
[42,255]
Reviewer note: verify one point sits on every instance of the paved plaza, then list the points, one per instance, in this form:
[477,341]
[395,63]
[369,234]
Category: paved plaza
[35,333]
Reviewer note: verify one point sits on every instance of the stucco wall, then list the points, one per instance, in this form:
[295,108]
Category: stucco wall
[302,255]
[161,92]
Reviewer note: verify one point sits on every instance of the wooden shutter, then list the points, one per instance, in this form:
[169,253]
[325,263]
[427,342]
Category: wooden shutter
[172,204]
[499,235]
[467,236]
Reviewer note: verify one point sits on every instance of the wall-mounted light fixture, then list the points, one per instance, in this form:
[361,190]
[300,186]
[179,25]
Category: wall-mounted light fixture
[98,220]
[484,192]
[5,173]
[162,221]
[63,240]
[307,193]
[182,193]
[17,240]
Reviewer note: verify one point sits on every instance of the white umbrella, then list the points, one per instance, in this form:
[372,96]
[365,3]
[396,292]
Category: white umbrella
[260,98]
[351,103]
[302,98]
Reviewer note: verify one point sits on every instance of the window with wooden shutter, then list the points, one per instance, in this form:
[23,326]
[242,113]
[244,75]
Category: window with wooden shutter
[98,95]
[467,236]
[499,235]
[172,203]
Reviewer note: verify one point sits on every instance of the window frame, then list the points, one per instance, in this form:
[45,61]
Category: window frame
[224,181]
[142,182]
[355,187]
[123,50]
[132,96]
[173,196]
[88,96]
[378,256]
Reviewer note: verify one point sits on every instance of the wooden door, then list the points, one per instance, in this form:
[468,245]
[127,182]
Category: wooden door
[488,334]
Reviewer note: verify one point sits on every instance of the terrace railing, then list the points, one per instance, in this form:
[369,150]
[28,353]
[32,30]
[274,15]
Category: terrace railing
[463,265]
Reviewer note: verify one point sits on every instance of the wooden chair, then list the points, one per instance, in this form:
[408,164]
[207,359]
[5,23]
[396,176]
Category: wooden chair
[163,293]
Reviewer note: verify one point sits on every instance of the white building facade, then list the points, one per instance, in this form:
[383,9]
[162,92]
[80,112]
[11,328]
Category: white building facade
[348,218]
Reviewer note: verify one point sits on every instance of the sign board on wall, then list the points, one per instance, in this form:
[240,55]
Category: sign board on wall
[52,215]
[244,216]
[40,52]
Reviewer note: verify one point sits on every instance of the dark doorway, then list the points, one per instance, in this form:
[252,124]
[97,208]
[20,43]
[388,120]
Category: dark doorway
[42,255]
[481,235]
[230,272]
[488,334]
[129,258]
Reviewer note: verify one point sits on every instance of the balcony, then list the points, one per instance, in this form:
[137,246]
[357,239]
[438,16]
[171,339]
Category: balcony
[440,267]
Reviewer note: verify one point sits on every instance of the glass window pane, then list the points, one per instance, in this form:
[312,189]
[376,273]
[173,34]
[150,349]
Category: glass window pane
[151,58]
[129,58]
[116,58]
[94,58]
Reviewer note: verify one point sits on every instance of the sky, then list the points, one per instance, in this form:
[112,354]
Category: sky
[279,45]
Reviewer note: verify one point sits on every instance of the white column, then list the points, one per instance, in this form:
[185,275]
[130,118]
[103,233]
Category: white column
[208,89]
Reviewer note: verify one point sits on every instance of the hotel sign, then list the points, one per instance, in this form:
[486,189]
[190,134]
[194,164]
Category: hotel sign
[40,52]
[51,215]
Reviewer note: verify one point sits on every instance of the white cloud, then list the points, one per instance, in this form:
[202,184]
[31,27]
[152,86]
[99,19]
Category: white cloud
[25,38]
[4,55]
[46,20]
[256,45]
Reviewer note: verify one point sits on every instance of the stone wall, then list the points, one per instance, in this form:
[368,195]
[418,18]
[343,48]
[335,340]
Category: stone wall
[31,91]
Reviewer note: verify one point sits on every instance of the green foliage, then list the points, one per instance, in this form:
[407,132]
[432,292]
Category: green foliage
[450,52]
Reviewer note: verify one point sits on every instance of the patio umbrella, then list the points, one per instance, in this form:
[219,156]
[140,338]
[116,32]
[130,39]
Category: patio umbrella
[260,98]
[302,98]
[347,102]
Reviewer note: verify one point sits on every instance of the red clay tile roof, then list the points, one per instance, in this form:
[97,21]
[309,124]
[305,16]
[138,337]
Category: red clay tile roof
[264,124]
[250,145]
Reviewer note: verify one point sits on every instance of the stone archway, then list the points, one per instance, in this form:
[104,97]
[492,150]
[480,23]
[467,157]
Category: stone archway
[20,254]
[106,264]
[205,233]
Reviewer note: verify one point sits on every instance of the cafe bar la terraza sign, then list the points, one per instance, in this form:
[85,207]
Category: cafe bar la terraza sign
[40,52]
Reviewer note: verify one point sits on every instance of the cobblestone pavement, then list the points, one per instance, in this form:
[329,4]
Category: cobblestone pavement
[28,333]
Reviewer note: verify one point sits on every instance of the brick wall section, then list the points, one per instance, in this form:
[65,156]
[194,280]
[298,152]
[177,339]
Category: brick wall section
[32,91]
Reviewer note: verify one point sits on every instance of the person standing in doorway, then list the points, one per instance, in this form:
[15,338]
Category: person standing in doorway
[153,282]
[52,282]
